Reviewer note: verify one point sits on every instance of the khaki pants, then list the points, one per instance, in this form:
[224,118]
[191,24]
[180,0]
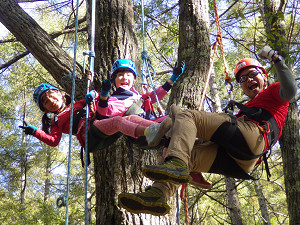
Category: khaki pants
[192,124]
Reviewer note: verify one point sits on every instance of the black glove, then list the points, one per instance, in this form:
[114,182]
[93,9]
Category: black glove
[177,71]
[106,86]
[28,129]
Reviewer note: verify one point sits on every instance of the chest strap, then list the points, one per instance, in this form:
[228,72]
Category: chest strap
[79,115]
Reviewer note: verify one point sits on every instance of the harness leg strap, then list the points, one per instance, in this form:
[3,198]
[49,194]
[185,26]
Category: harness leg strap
[230,138]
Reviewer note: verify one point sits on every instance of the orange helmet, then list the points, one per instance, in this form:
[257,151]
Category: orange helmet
[245,63]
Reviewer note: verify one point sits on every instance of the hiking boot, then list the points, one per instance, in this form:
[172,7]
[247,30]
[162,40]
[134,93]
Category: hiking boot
[199,181]
[155,132]
[151,201]
[173,170]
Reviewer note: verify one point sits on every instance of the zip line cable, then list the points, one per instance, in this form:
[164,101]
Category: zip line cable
[63,199]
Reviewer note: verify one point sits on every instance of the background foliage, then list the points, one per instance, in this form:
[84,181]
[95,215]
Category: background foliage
[29,202]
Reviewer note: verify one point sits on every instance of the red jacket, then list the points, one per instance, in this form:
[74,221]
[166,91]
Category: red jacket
[63,125]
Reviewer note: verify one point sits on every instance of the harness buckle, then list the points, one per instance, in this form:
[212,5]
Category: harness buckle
[267,130]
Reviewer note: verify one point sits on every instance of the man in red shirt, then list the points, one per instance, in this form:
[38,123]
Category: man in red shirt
[234,143]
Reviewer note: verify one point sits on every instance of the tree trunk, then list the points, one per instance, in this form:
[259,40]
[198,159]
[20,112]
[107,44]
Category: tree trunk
[290,140]
[262,202]
[232,195]
[194,49]
[233,201]
[40,44]
[118,168]
[290,150]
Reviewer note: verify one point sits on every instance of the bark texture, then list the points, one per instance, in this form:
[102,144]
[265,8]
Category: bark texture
[290,140]
[194,49]
[40,44]
[118,168]
[233,201]
[290,150]
[262,202]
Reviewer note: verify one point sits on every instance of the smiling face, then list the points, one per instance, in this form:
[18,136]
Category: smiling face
[252,86]
[124,79]
[52,100]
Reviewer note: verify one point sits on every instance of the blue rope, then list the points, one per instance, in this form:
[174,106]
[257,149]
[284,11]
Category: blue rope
[91,70]
[178,208]
[63,199]
[147,62]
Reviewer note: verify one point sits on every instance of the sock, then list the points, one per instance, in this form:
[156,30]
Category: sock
[146,131]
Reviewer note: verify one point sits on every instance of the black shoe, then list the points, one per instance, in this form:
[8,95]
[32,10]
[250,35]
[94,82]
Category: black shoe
[173,170]
[152,201]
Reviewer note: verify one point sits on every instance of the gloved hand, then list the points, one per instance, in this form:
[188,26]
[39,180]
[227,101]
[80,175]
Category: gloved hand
[28,129]
[89,97]
[177,71]
[266,53]
[106,86]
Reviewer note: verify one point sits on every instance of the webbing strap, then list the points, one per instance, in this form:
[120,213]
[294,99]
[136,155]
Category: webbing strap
[264,119]
[79,114]
[232,140]
[135,108]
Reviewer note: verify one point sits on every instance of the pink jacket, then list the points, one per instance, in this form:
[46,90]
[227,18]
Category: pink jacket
[118,106]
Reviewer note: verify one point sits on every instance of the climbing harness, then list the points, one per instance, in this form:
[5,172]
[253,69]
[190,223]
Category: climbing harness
[63,199]
[265,122]
[148,69]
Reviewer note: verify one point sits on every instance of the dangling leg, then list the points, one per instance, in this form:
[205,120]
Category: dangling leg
[133,125]
[188,125]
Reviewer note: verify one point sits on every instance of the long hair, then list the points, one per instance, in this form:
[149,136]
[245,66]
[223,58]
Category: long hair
[46,120]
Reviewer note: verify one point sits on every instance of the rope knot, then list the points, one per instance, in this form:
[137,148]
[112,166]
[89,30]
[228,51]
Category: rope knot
[61,201]
[145,57]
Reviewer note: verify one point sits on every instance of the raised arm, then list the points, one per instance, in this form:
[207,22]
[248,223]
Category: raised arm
[288,86]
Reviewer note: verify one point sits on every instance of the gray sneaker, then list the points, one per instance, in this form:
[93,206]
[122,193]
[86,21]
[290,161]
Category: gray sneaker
[157,131]
[151,201]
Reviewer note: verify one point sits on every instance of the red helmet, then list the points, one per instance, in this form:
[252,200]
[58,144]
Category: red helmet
[245,63]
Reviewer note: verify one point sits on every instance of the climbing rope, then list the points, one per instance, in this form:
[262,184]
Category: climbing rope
[63,199]
[208,75]
[178,207]
[219,41]
[186,206]
[183,193]
[89,81]
[228,83]
[148,67]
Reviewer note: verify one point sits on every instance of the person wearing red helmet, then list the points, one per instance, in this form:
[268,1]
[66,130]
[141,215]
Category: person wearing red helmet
[233,143]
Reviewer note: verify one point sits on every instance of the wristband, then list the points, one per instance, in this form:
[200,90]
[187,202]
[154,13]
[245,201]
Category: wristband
[279,58]
[104,93]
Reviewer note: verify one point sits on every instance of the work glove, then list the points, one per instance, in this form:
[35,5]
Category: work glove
[89,97]
[177,71]
[266,53]
[28,129]
[106,86]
